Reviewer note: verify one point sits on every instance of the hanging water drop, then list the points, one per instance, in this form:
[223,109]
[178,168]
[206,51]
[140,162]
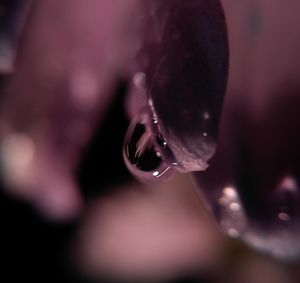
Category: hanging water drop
[142,153]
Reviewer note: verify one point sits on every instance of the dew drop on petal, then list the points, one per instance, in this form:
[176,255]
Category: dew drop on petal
[142,155]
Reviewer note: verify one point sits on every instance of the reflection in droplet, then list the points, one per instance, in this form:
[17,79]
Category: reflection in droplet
[155,173]
[141,153]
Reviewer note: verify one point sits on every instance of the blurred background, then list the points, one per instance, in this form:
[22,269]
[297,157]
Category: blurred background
[70,210]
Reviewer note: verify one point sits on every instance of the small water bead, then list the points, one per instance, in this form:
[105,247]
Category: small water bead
[142,155]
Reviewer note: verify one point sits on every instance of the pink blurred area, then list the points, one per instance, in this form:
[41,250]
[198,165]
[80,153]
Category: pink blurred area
[148,232]
[71,58]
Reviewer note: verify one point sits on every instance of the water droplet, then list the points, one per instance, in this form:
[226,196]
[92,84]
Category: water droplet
[142,153]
